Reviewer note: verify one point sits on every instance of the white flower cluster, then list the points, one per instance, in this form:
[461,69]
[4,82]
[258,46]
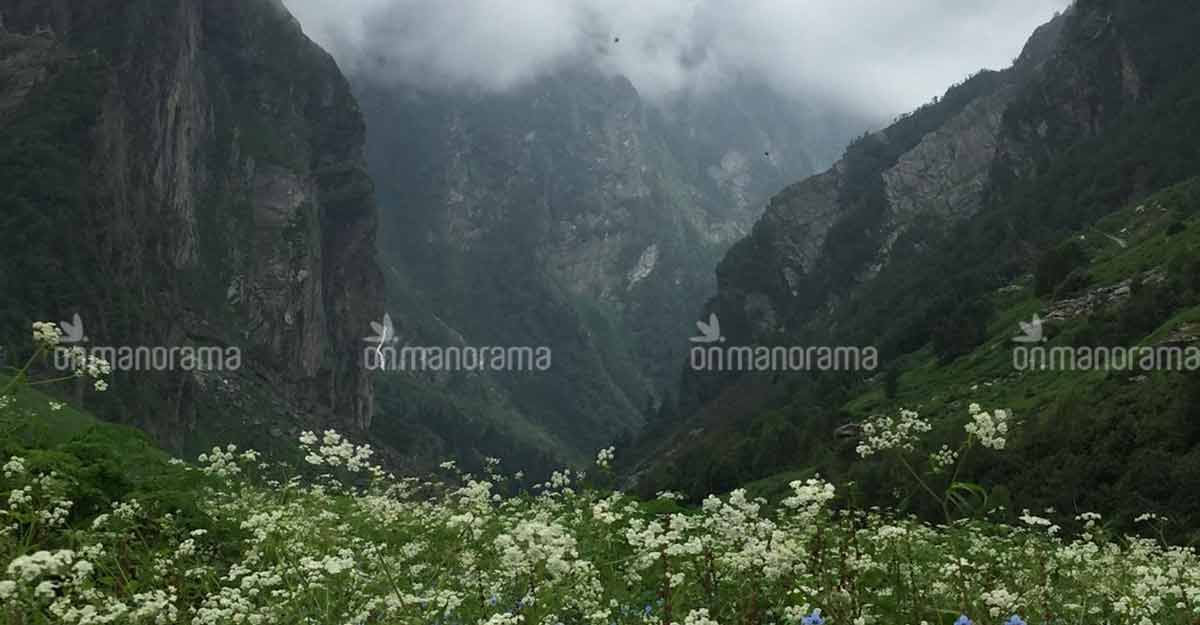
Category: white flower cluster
[88,365]
[810,496]
[14,467]
[882,433]
[1033,520]
[333,450]
[605,457]
[990,428]
[226,462]
[699,617]
[1148,517]
[1000,601]
[605,509]
[537,545]
[39,564]
[125,512]
[46,334]
[559,481]
[61,581]
[943,459]
[36,501]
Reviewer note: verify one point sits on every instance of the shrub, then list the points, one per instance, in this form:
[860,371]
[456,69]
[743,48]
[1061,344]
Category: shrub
[1056,265]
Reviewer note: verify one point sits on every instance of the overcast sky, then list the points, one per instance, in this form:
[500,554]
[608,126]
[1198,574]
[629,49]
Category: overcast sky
[880,57]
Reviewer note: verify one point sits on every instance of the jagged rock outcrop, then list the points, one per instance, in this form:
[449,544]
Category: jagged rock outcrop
[946,174]
[212,190]
[1098,298]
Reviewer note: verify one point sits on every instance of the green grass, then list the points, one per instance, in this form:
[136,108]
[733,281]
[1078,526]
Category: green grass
[931,384]
[50,427]
[1146,233]
[98,463]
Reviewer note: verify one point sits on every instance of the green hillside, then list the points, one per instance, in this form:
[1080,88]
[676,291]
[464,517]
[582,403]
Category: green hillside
[1122,440]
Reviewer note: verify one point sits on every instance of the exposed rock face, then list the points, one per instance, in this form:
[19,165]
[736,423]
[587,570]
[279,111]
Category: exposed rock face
[23,66]
[222,198]
[805,228]
[946,174]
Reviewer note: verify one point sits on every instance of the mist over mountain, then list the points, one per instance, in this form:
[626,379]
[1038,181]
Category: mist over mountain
[864,57]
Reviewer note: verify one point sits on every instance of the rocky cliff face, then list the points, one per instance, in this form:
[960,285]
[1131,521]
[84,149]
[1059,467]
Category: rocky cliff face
[193,174]
[573,214]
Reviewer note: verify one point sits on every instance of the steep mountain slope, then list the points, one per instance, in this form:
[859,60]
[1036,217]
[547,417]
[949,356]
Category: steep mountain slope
[570,214]
[823,238]
[917,241]
[189,174]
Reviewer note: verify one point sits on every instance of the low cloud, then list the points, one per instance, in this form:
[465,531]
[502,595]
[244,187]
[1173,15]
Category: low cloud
[878,58]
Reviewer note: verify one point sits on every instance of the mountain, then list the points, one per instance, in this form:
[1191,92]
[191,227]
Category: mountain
[189,174]
[1065,178]
[571,214]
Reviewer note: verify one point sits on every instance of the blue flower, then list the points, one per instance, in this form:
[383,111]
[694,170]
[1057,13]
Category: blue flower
[1015,620]
[963,620]
[813,619]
